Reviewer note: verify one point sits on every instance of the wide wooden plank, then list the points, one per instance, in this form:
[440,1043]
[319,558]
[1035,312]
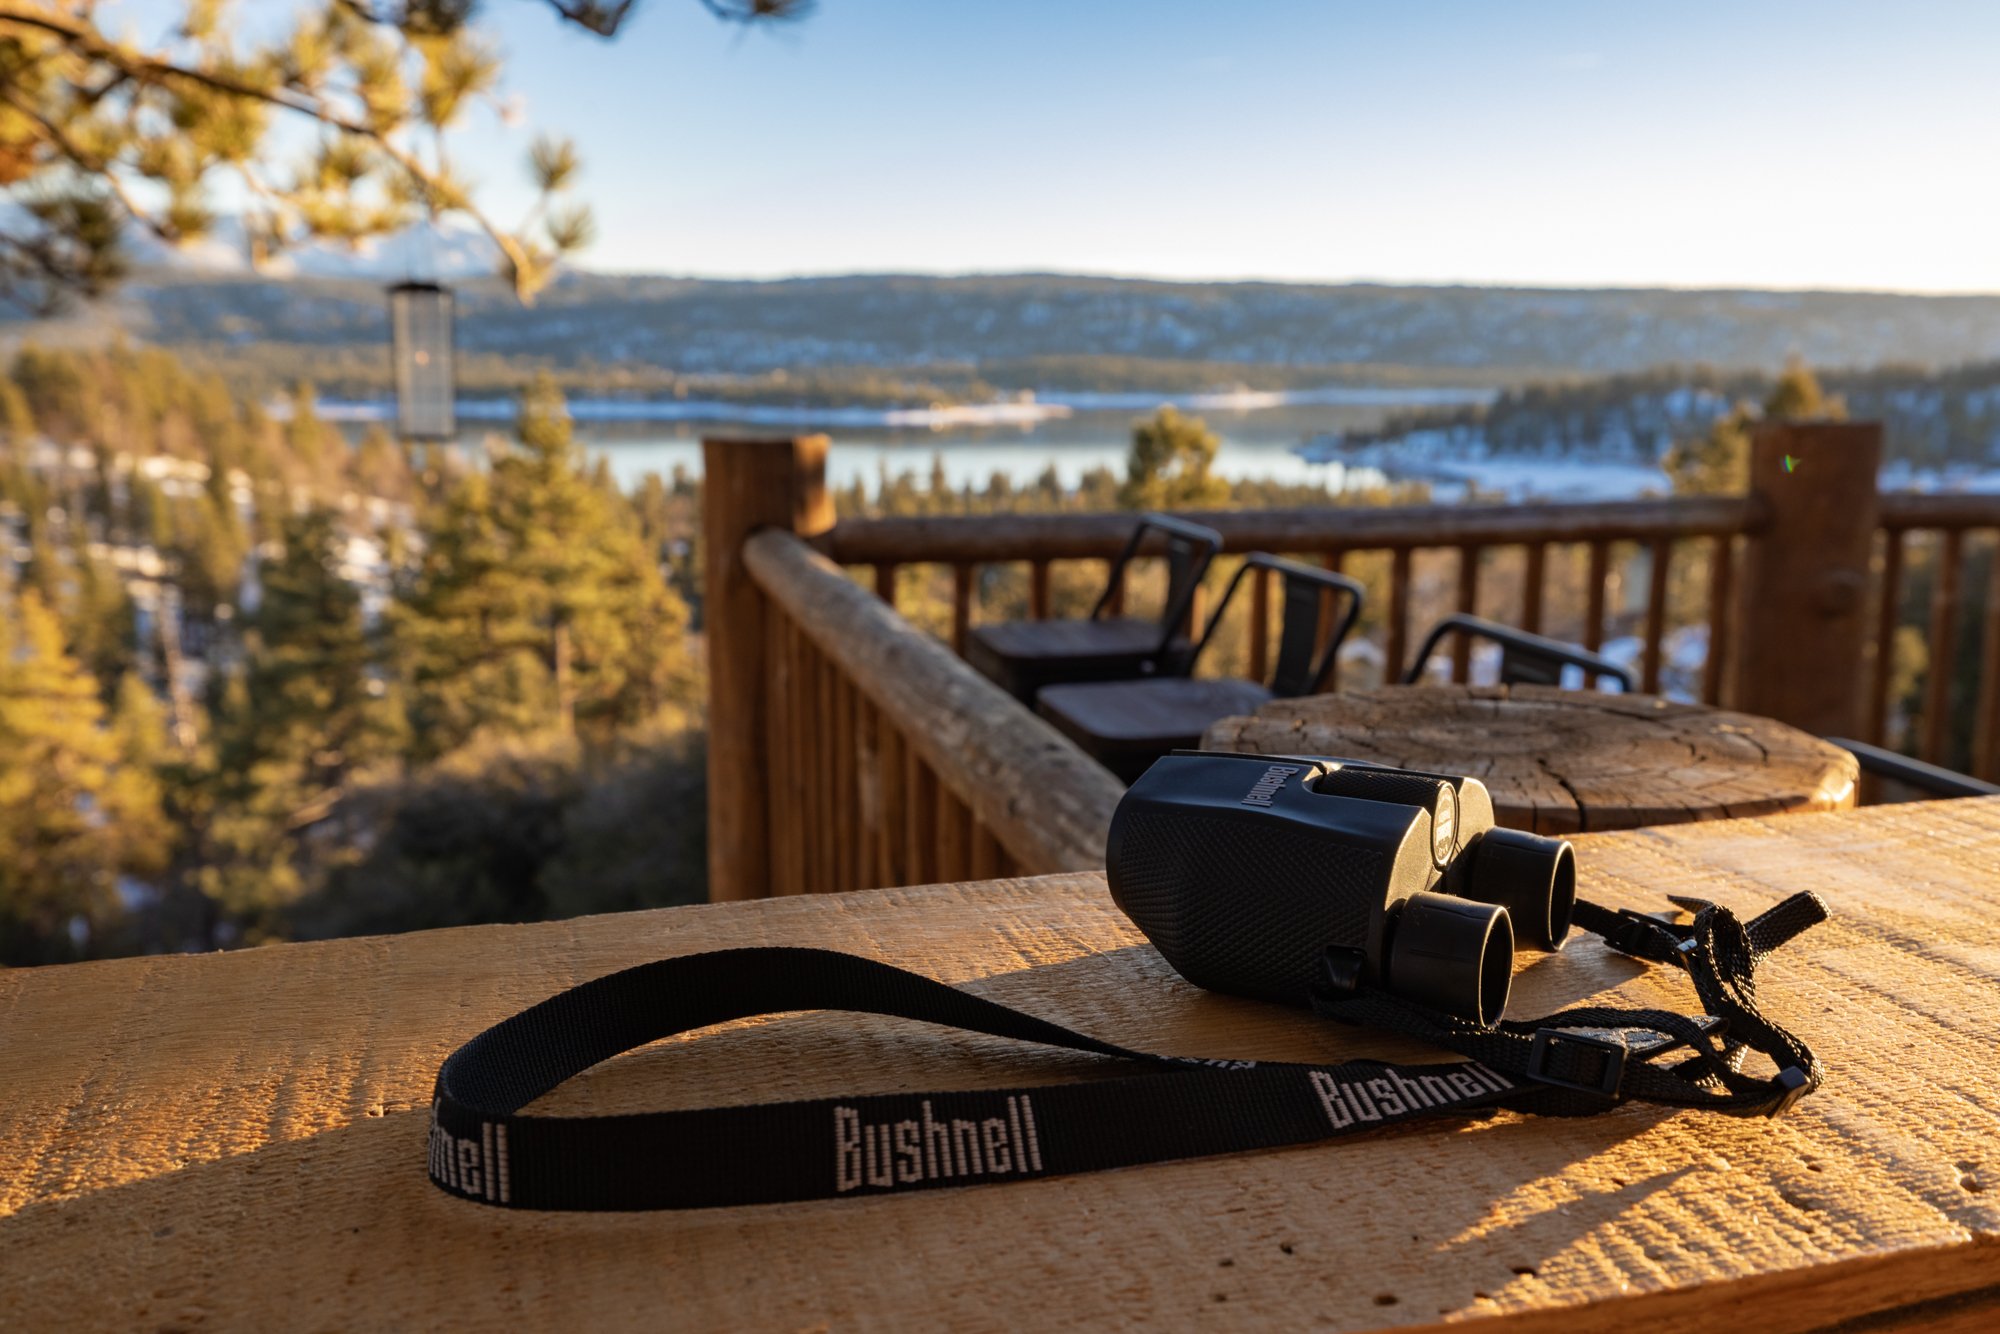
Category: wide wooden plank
[237,1140]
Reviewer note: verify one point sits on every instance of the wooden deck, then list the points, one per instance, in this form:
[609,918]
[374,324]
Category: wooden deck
[238,1140]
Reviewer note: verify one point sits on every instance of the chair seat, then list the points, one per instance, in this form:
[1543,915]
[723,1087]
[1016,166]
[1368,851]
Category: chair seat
[1126,725]
[1024,656]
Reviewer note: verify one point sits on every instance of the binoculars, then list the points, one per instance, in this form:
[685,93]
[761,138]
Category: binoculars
[1278,876]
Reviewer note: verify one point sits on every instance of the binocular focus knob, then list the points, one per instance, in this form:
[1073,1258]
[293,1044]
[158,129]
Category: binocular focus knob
[1435,795]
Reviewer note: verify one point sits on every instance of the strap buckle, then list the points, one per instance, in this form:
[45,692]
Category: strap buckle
[1644,936]
[1611,1072]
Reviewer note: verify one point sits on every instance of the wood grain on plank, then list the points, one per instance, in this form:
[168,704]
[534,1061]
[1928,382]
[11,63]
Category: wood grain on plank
[237,1140]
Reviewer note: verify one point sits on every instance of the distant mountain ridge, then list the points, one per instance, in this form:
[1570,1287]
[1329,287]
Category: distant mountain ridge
[1037,324]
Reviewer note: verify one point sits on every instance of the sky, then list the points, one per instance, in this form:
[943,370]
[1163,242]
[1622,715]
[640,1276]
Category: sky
[1695,144]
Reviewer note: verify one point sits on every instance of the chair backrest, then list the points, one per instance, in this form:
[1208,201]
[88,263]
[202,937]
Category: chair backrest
[1930,779]
[1306,594]
[1190,547]
[1525,659]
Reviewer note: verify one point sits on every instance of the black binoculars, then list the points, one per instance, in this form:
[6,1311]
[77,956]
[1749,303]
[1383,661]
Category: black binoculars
[1278,876]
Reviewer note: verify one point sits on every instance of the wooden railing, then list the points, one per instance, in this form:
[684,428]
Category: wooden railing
[848,749]
[909,767]
[1472,533]
[1946,522]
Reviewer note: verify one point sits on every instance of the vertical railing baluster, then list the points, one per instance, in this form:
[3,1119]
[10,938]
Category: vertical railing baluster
[1260,621]
[847,823]
[1659,562]
[1888,612]
[779,812]
[1944,644]
[885,583]
[1986,730]
[1468,602]
[986,854]
[1533,577]
[1721,592]
[1593,582]
[954,835]
[1334,561]
[828,801]
[961,606]
[920,818]
[1398,644]
[865,793]
[891,771]
[1038,590]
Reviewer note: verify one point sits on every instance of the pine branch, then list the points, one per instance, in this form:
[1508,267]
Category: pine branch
[85,39]
[94,166]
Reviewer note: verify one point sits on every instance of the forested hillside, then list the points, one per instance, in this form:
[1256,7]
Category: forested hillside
[1931,418]
[1027,331]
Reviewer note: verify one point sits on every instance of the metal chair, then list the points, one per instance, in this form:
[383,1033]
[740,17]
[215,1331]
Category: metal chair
[1525,659]
[1023,656]
[1126,725]
[1927,780]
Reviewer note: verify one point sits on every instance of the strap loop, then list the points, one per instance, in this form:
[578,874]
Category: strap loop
[1575,1063]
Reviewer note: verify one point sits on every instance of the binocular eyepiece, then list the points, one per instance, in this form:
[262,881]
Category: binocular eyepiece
[1279,876]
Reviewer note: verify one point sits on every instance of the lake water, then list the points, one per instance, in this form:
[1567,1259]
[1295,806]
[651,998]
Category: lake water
[1255,444]
[1259,438]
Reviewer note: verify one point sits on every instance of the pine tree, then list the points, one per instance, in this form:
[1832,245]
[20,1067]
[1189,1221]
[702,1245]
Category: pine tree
[537,603]
[1718,464]
[17,419]
[211,545]
[71,815]
[311,692]
[381,467]
[102,626]
[1169,466]
[305,713]
[305,434]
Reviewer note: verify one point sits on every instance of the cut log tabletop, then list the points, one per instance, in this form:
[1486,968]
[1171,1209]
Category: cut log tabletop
[1565,761]
[238,1140]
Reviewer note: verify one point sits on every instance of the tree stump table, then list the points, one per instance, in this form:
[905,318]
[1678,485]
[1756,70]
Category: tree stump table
[1565,761]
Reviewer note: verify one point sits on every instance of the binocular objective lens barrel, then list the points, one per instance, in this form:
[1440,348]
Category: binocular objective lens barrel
[1532,877]
[1452,954]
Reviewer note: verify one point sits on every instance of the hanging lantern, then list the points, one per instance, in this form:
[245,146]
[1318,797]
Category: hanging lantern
[426,393]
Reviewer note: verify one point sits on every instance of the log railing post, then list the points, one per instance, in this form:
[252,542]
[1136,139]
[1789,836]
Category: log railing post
[1802,625]
[747,485]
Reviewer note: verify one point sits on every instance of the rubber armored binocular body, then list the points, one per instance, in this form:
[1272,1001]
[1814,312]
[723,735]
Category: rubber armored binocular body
[1278,876]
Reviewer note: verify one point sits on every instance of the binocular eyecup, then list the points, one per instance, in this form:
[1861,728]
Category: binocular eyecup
[1532,877]
[1451,954]
[1456,953]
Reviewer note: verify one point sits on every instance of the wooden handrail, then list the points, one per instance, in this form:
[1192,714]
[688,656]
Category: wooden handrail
[1047,802]
[954,539]
[1903,510]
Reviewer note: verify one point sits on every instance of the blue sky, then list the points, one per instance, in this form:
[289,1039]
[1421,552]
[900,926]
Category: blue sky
[1693,144]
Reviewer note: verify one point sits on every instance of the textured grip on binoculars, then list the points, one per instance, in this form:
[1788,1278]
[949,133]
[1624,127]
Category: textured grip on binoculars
[1532,877]
[1452,954]
[1435,795]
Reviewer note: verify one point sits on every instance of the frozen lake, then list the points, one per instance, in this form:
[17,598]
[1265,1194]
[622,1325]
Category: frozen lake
[1074,434]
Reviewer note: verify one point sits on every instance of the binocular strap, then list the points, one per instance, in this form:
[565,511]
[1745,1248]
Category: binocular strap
[483,1148]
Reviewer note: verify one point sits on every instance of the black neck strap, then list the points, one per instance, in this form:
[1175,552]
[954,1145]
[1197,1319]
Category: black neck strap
[483,1148]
